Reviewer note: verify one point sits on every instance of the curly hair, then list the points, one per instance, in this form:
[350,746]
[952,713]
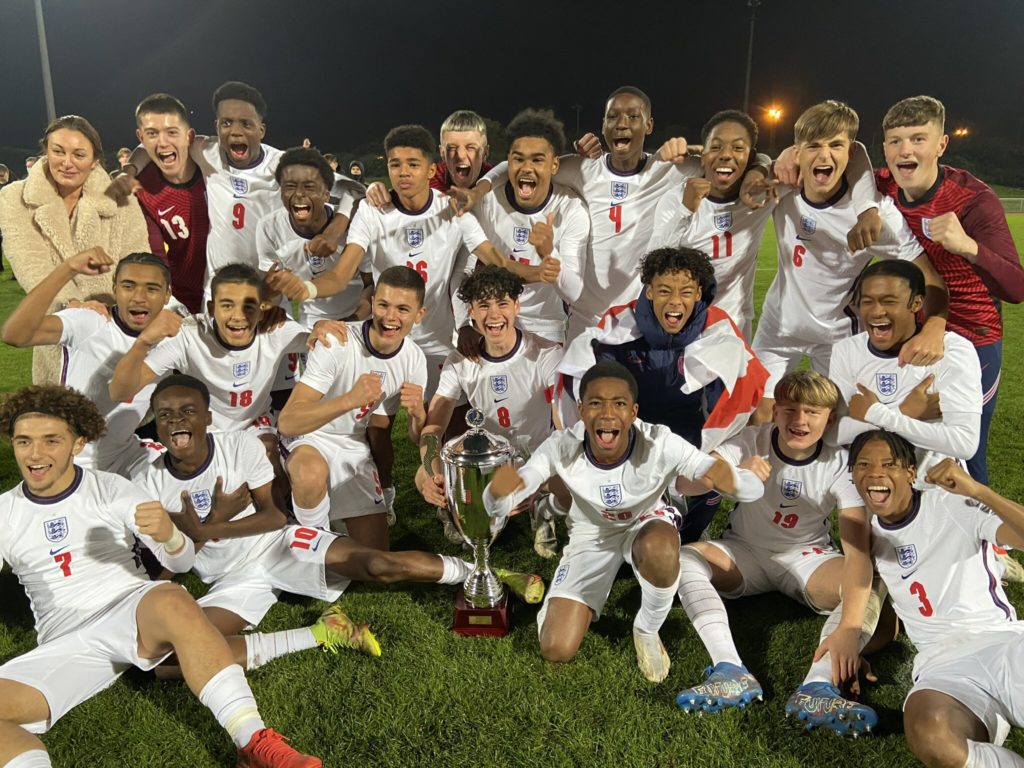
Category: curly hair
[490,282]
[663,260]
[539,124]
[79,412]
[903,452]
[308,157]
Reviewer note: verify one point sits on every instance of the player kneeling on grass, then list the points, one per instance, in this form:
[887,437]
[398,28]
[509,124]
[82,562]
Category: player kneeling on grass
[69,535]
[933,549]
[248,555]
[616,469]
[781,543]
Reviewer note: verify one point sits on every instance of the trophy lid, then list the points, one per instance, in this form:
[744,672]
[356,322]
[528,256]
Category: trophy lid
[477,447]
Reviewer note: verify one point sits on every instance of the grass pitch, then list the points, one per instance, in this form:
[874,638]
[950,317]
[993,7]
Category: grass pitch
[435,699]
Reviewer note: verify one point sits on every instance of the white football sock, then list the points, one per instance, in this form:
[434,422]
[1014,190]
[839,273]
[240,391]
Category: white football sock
[704,607]
[318,516]
[981,754]
[821,670]
[228,697]
[655,603]
[263,647]
[456,570]
[34,758]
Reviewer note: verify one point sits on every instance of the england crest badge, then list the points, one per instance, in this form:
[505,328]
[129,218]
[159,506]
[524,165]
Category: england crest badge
[414,237]
[499,384]
[723,221]
[808,225]
[316,263]
[886,383]
[791,489]
[239,185]
[56,530]
[520,235]
[926,228]
[202,501]
[906,555]
[611,495]
[619,190]
[241,370]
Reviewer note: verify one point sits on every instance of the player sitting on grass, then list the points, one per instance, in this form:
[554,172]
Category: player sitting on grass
[936,407]
[933,549]
[616,469]
[248,556]
[346,392]
[69,535]
[93,344]
[511,383]
[533,226]
[806,308]
[695,372]
[781,542]
[710,217]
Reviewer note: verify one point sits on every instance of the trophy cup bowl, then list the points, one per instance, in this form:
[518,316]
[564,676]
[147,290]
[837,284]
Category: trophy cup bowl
[469,461]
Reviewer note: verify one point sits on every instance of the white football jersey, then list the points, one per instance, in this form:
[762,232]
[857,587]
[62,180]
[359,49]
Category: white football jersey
[74,553]
[610,498]
[498,219]
[940,569]
[237,199]
[427,240]
[799,496]
[237,458]
[957,382]
[727,231]
[810,295]
[239,378]
[333,371]
[513,391]
[92,348]
[278,242]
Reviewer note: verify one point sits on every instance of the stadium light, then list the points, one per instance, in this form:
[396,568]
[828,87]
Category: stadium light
[750,54]
[774,114]
[961,132]
[44,57]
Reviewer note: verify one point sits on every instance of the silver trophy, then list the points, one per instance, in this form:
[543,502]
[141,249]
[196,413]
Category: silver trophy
[469,461]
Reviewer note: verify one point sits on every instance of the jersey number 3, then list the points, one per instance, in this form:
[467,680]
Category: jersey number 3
[917,589]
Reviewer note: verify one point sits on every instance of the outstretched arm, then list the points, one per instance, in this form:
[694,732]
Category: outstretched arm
[948,474]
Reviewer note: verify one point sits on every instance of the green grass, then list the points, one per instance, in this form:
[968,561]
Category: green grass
[434,698]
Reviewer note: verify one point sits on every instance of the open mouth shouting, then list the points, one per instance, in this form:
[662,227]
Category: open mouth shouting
[461,174]
[388,329]
[495,327]
[39,471]
[880,332]
[181,439]
[822,174]
[526,186]
[606,438]
[167,158]
[906,168]
[237,333]
[877,495]
[725,175]
[301,212]
[621,143]
[673,321]
[238,151]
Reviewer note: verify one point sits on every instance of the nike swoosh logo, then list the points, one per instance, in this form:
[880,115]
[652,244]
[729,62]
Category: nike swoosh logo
[238,384]
[802,238]
[787,506]
[161,213]
[378,501]
[502,400]
[314,549]
[56,551]
[908,575]
[518,250]
[414,255]
[290,378]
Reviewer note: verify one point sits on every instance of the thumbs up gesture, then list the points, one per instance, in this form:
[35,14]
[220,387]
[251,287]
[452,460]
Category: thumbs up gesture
[542,236]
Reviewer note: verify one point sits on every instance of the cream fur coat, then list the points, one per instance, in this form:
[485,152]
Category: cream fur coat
[38,236]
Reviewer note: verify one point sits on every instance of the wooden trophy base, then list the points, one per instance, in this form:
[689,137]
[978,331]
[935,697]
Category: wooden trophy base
[481,622]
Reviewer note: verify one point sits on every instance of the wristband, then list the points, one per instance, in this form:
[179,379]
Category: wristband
[176,542]
[311,287]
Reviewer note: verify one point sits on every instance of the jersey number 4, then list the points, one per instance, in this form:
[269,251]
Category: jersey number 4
[615,214]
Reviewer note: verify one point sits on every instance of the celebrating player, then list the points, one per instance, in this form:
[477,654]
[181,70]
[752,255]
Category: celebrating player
[616,469]
[709,216]
[961,225]
[695,372]
[249,554]
[342,407]
[93,344]
[533,227]
[936,407]
[933,549]
[805,310]
[172,193]
[512,383]
[781,542]
[68,534]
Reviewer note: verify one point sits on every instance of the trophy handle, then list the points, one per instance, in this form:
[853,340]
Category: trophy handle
[430,442]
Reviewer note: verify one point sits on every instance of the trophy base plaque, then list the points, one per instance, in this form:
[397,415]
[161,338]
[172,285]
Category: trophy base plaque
[481,622]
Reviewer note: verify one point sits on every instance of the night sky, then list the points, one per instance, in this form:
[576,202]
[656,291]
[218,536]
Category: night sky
[344,72]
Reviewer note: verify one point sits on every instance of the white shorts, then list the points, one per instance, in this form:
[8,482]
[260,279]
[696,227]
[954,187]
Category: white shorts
[588,566]
[263,425]
[984,672]
[353,485]
[766,571]
[79,664]
[781,354]
[294,564]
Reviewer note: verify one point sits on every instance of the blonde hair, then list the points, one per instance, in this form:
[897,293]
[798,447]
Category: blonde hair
[916,110]
[464,120]
[825,120]
[807,388]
